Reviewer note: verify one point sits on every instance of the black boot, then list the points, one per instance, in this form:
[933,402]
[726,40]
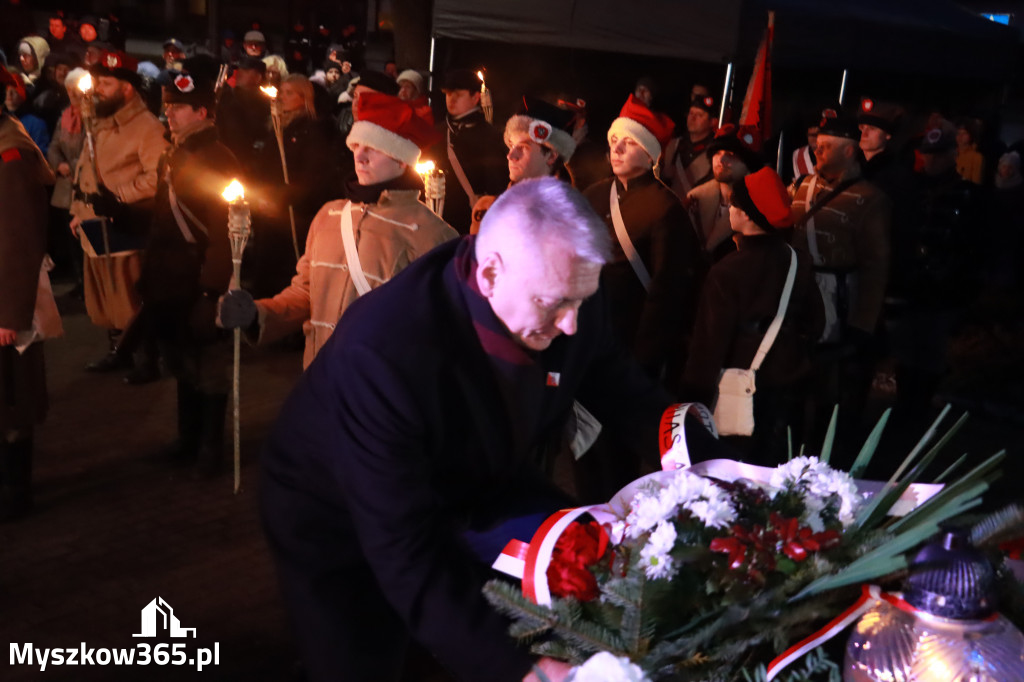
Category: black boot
[190,423]
[113,360]
[15,479]
[210,461]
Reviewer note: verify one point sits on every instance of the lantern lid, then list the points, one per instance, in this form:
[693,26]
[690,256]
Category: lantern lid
[951,578]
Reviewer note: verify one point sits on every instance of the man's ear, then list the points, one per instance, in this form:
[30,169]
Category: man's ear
[476,97]
[488,271]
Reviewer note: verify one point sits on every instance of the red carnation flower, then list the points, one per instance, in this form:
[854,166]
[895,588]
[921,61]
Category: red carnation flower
[578,548]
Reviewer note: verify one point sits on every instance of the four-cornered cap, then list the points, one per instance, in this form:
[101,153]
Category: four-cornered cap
[882,115]
[940,138]
[460,79]
[117,64]
[546,124]
[763,197]
[175,43]
[838,124]
[12,81]
[377,81]
[651,130]
[254,37]
[728,139]
[392,126]
[705,102]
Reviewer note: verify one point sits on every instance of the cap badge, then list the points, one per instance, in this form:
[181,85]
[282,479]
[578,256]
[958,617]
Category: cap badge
[540,131]
[933,135]
[867,105]
[748,138]
[113,61]
[184,83]
[709,102]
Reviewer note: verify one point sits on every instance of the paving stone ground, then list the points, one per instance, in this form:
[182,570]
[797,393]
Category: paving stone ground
[115,527]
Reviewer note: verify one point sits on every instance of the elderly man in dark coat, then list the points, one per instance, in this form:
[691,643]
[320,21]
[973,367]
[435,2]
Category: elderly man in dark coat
[24,176]
[186,267]
[408,453]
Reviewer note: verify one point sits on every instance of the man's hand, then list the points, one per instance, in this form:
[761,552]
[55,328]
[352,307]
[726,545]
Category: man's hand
[7,337]
[63,169]
[75,222]
[236,310]
[554,671]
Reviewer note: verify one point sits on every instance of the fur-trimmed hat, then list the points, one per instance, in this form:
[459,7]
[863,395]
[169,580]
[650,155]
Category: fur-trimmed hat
[117,64]
[651,130]
[879,114]
[705,103]
[546,124]
[837,123]
[460,79]
[376,80]
[728,139]
[391,126]
[763,197]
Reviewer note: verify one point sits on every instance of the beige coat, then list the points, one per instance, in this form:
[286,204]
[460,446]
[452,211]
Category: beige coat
[389,235]
[128,148]
[709,219]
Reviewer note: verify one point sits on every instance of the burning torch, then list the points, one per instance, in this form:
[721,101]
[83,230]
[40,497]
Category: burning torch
[433,185]
[275,117]
[88,119]
[485,98]
[239,229]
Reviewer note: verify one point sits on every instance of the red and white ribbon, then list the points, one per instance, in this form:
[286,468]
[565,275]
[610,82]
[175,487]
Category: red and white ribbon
[672,433]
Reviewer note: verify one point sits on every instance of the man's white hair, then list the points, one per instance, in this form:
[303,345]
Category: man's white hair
[542,210]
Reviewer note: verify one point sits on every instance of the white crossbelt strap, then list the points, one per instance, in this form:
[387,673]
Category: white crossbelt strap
[461,174]
[180,210]
[773,329]
[624,241]
[348,240]
[683,174]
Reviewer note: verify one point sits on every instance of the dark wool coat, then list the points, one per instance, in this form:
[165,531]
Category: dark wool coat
[24,176]
[397,441]
[481,152]
[653,324]
[738,302]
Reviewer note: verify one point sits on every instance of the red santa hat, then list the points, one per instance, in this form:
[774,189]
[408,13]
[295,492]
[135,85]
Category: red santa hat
[650,129]
[391,126]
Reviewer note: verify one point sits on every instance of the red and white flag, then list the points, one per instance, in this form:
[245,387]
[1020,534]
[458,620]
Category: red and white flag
[755,123]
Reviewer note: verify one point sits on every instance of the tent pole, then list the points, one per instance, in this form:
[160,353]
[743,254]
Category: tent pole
[842,89]
[725,93]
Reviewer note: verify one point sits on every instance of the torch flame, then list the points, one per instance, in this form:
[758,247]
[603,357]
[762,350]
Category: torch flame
[424,167]
[269,90]
[234,191]
[480,75]
[85,83]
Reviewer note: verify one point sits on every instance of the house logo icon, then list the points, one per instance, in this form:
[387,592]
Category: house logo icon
[158,616]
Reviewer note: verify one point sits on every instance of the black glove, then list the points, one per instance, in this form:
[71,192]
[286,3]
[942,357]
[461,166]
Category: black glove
[237,310]
[104,202]
[202,320]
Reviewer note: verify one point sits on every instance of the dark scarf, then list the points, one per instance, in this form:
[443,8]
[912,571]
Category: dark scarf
[521,378]
[370,194]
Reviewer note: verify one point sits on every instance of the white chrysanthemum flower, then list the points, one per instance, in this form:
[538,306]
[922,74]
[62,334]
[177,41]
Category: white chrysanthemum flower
[716,512]
[657,566]
[663,539]
[648,510]
[607,667]
[819,482]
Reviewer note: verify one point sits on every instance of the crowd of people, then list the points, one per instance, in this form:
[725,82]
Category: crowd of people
[551,290]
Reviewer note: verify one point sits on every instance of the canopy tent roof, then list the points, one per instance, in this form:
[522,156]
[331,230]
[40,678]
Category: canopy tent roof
[915,36]
[683,29]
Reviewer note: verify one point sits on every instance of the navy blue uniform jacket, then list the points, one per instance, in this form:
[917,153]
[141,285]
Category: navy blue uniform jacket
[396,441]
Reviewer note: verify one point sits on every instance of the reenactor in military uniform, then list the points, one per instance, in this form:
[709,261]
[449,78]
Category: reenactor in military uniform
[842,221]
